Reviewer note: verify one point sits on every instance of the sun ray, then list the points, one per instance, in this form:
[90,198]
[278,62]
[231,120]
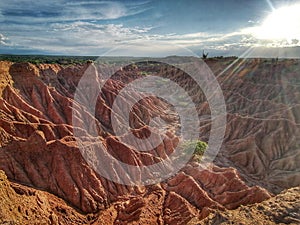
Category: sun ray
[282,26]
[271,5]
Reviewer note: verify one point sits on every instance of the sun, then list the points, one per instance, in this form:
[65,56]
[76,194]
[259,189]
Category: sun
[282,23]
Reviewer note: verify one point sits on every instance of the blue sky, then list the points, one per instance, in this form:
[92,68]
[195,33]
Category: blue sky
[147,27]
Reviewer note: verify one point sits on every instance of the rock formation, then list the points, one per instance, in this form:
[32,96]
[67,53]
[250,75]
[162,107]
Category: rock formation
[259,156]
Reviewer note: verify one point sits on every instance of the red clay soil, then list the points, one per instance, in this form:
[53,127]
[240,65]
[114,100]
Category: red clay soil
[39,154]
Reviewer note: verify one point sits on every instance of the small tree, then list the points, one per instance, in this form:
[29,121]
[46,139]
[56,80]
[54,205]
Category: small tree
[198,147]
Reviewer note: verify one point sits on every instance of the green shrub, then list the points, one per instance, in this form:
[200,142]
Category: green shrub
[197,147]
[144,73]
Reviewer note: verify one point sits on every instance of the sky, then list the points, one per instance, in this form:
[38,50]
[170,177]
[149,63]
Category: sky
[253,28]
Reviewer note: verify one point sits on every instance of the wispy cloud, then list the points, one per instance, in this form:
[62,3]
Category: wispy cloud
[61,10]
[67,27]
[91,27]
[74,38]
[89,38]
[3,40]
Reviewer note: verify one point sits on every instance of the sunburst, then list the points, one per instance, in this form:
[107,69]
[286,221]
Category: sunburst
[282,23]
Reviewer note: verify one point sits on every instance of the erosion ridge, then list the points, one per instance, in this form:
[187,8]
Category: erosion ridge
[23,205]
[262,138]
[38,148]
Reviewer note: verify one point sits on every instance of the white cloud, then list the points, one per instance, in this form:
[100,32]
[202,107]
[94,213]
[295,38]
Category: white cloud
[91,38]
[30,12]
[3,40]
[76,37]
[74,28]
[94,10]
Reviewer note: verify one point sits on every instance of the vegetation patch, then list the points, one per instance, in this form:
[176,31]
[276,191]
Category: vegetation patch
[197,147]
